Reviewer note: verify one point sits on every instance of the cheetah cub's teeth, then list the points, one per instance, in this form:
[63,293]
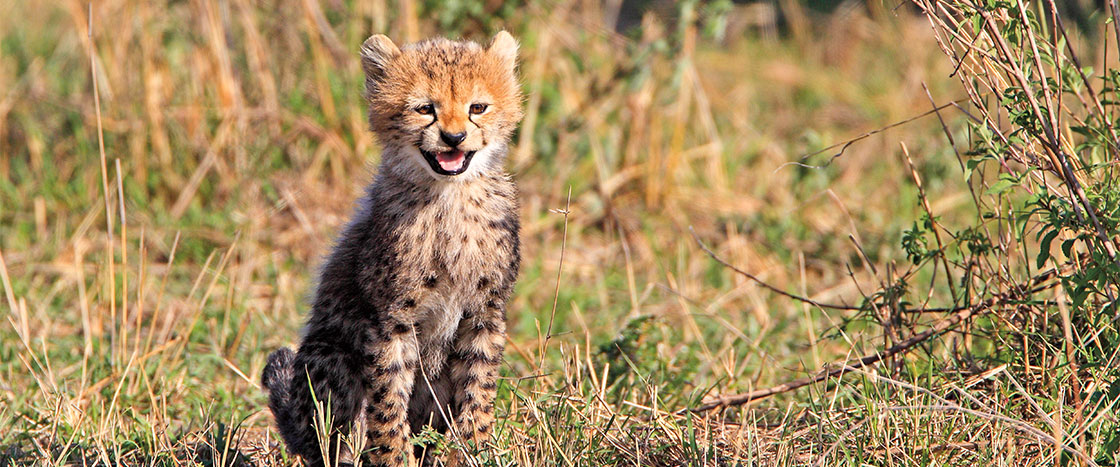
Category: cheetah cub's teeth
[450,161]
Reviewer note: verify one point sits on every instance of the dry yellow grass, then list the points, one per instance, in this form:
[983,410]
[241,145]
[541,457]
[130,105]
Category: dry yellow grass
[147,281]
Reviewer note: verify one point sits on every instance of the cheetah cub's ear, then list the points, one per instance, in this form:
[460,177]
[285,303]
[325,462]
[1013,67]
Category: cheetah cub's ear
[504,46]
[377,52]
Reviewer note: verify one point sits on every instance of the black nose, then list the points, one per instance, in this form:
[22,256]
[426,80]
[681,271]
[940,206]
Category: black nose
[452,139]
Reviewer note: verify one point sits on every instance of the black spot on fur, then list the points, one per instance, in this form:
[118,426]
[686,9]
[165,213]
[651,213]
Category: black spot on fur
[388,370]
[382,416]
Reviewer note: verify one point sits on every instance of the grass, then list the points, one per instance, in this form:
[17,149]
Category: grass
[145,283]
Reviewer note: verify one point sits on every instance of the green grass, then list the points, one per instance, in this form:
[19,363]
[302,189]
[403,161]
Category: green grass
[240,134]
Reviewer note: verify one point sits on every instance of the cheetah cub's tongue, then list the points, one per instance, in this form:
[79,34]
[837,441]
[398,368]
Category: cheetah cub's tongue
[450,160]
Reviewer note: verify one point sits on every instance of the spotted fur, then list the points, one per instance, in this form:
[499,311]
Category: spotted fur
[407,327]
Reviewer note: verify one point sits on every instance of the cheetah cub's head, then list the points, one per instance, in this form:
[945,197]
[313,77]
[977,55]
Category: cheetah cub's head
[445,107]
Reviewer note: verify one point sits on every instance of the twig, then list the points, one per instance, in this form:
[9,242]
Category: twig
[559,272]
[932,222]
[763,284]
[839,368]
[800,162]
[1115,17]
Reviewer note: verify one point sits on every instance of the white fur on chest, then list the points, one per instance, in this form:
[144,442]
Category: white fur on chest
[452,236]
[437,320]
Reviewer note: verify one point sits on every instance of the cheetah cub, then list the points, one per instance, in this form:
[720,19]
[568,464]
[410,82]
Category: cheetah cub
[407,326]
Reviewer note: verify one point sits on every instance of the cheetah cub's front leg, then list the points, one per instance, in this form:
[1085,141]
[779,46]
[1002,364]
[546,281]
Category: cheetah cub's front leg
[474,362]
[392,374]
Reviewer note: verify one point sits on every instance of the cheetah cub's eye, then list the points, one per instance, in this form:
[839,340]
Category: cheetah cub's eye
[426,109]
[478,109]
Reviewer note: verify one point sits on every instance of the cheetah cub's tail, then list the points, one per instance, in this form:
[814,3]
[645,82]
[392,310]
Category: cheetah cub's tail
[276,379]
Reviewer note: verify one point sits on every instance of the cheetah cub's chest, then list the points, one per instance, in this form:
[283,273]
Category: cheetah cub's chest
[454,246]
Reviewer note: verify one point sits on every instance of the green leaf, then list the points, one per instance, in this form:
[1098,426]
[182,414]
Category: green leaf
[1077,296]
[999,187]
[1044,248]
[1081,130]
[1067,247]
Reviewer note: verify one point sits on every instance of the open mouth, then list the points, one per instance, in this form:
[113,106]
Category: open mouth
[453,162]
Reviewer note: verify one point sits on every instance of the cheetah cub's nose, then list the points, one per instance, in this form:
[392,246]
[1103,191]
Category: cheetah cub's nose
[452,139]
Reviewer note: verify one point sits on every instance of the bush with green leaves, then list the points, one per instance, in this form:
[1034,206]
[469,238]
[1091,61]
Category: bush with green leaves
[1035,269]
